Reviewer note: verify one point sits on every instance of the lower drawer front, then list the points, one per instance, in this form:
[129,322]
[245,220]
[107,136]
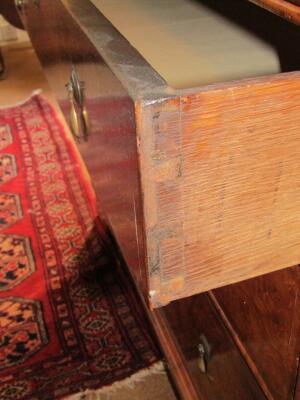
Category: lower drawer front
[264,315]
[249,334]
[195,331]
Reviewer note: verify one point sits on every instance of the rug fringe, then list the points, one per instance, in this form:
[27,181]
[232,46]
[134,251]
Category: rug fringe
[157,368]
[22,102]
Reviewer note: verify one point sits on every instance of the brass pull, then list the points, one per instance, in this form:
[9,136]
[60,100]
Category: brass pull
[36,3]
[79,117]
[75,128]
[85,120]
[21,5]
[204,350]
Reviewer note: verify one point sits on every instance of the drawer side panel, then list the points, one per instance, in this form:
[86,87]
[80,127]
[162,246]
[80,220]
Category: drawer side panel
[222,200]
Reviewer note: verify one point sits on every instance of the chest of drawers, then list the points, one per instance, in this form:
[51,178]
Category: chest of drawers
[199,185]
[194,157]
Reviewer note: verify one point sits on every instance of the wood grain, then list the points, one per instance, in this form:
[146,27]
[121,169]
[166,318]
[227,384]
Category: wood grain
[263,314]
[10,13]
[221,185]
[110,153]
[289,10]
[174,356]
[228,376]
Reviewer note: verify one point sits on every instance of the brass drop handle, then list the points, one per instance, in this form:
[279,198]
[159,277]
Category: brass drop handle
[21,5]
[74,121]
[204,351]
[85,121]
[79,118]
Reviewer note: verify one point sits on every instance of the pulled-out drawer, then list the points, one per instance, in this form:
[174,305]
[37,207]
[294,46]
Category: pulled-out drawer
[200,184]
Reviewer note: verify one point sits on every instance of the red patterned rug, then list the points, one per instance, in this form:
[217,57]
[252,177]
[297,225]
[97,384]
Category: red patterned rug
[60,333]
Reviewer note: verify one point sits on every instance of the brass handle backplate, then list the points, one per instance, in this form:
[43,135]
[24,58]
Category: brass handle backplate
[79,119]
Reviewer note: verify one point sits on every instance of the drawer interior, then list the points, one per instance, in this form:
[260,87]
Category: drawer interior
[192,43]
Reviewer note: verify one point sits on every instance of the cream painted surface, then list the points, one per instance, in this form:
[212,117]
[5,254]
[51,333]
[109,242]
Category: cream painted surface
[10,33]
[189,44]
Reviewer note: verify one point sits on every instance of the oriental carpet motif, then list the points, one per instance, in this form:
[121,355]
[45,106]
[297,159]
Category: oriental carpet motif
[61,331]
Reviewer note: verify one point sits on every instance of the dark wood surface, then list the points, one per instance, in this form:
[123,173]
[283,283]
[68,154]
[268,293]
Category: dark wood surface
[228,376]
[109,153]
[2,66]
[297,390]
[264,315]
[289,10]
[10,13]
[251,326]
